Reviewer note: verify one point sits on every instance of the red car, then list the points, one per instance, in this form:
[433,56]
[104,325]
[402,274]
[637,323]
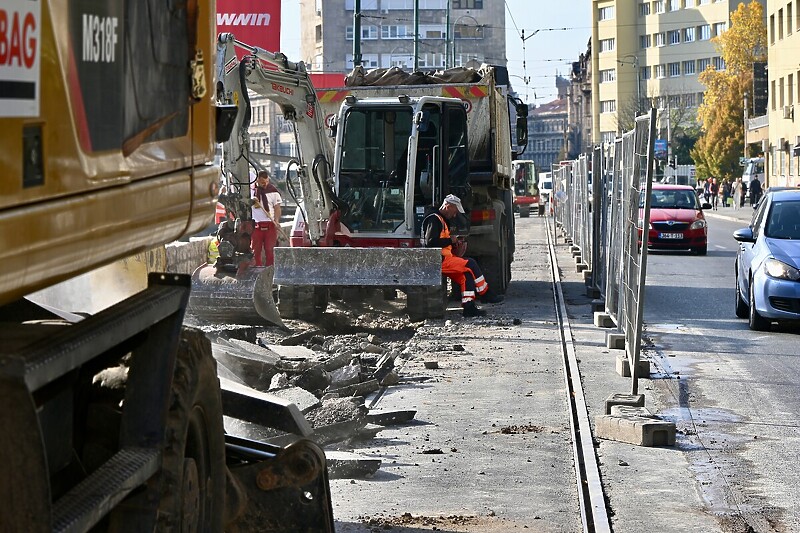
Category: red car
[676,220]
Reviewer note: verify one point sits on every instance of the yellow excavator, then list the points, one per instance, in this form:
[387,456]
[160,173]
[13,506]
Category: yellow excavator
[112,419]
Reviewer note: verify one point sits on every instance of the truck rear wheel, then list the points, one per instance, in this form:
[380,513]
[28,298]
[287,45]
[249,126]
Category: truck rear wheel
[497,267]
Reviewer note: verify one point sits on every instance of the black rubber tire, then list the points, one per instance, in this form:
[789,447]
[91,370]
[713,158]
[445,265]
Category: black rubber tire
[701,251]
[194,447]
[742,310]
[496,267]
[756,322]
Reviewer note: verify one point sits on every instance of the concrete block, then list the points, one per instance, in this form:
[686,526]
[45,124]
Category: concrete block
[624,367]
[603,320]
[575,250]
[637,430]
[587,275]
[580,266]
[630,400]
[615,341]
[598,304]
[628,410]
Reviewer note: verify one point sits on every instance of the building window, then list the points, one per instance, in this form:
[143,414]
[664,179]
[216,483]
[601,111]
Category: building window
[366,5]
[772,96]
[674,37]
[719,63]
[674,5]
[318,33]
[432,32]
[397,32]
[719,28]
[367,60]
[644,9]
[467,4]
[780,24]
[607,76]
[607,45]
[468,31]
[644,41]
[772,29]
[660,39]
[608,106]
[606,13]
[674,69]
[608,137]
[703,64]
[703,2]
[660,71]
[644,73]
[660,6]
[704,32]
[689,100]
[688,35]
[789,18]
[368,33]
[688,68]
[790,87]
[407,5]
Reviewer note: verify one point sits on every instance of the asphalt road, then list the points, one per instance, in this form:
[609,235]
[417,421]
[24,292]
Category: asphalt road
[732,392]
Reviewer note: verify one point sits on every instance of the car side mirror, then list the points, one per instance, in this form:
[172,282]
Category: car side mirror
[744,235]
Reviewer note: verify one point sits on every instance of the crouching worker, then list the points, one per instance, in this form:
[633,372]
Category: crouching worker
[462,270]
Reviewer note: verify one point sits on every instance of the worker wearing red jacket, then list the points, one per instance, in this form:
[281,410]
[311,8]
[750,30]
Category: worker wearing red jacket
[462,270]
[267,216]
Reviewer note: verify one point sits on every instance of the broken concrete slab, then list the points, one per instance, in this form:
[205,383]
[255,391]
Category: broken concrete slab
[292,353]
[390,418]
[343,465]
[637,430]
[357,389]
[304,400]
[369,431]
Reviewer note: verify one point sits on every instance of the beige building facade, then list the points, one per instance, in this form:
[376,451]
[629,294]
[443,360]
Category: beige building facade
[651,53]
[783,38]
[477,33]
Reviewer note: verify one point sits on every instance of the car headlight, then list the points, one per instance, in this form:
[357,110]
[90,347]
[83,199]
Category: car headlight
[698,224]
[780,270]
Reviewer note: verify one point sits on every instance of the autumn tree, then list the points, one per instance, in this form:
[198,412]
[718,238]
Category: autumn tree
[721,142]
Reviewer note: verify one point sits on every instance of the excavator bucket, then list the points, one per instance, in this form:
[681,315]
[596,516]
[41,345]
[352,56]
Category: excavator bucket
[243,298]
[359,267]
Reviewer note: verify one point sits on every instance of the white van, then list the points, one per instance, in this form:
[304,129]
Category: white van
[753,168]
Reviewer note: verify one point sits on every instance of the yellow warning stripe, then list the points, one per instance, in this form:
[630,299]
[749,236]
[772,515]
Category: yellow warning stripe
[326,97]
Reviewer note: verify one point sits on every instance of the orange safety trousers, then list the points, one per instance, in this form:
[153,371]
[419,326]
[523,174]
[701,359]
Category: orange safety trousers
[462,270]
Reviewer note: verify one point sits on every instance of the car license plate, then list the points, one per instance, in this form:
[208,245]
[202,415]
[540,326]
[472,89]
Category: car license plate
[670,235]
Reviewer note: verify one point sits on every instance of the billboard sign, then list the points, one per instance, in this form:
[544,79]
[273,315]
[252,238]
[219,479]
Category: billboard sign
[20,77]
[257,22]
[660,149]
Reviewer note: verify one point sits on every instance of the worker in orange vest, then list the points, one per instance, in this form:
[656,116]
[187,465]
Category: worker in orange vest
[462,270]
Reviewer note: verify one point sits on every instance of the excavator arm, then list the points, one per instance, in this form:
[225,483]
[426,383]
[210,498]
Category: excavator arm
[287,84]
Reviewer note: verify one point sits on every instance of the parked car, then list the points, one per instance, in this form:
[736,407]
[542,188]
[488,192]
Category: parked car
[676,219]
[768,261]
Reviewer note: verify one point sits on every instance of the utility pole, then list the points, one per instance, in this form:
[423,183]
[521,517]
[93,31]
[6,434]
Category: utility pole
[357,34]
[416,35]
[448,39]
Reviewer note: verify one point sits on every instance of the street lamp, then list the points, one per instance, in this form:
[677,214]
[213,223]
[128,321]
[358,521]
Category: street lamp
[638,79]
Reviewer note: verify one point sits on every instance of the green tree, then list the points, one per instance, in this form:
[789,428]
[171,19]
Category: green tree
[721,142]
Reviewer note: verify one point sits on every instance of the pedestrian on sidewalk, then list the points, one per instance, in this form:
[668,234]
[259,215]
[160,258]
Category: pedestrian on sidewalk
[714,191]
[726,191]
[737,193]
[755,192]
[462,270]
[744,192]
[707,190]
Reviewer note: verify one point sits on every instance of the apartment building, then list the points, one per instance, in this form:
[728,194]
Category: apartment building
[783,38]
[477,33]
[651,53]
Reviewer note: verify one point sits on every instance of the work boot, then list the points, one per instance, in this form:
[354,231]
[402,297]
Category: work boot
[471,310]
[490,297]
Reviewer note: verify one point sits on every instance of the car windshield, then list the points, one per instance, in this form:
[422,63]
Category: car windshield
[672,199]
[783,221]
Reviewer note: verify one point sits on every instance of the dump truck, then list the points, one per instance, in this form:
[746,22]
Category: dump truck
[389,157]
[113,420]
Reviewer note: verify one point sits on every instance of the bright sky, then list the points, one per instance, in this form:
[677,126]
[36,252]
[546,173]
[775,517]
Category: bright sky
[561,30]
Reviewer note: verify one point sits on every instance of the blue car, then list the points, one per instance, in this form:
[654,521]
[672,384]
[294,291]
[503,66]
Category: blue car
[768,261]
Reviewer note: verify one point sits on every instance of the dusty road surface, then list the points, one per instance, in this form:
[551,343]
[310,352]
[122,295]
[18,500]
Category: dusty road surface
[489,448]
